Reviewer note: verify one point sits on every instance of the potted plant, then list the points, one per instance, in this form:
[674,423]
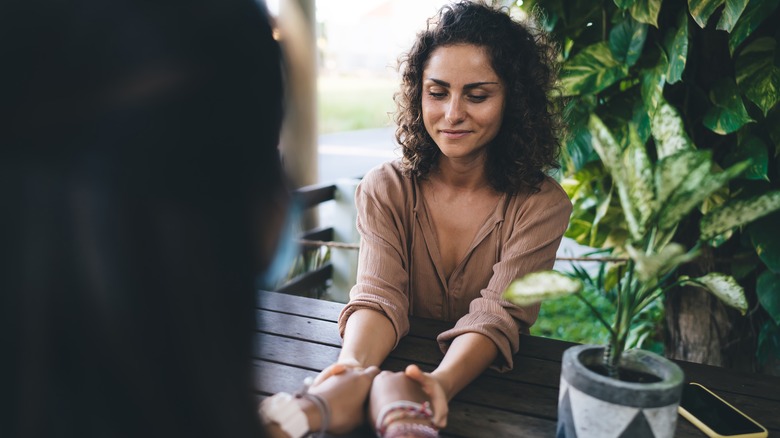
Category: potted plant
[608,390]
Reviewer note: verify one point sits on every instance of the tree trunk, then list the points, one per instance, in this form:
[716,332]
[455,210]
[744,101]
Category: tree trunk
[699,328]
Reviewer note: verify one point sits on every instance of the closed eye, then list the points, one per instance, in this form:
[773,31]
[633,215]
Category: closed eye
[436,95]
[477,98]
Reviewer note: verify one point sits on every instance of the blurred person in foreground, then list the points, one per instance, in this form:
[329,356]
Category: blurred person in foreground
[142,198]
[468,208]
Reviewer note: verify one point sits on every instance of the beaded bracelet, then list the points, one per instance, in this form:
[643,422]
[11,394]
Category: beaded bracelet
[320,402]
[401,409]
[398,430]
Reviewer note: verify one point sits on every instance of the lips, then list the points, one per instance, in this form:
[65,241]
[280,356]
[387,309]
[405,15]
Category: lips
[454,133]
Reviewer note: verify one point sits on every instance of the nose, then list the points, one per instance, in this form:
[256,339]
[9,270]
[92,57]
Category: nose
[455,113]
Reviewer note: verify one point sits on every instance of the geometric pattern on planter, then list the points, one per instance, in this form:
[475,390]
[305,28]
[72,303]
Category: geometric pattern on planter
[581,415]
[662,420]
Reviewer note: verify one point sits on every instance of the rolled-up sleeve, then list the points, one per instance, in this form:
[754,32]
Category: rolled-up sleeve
[531,243]
[382,276]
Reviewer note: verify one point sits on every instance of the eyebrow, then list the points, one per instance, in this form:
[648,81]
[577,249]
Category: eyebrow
[467,86]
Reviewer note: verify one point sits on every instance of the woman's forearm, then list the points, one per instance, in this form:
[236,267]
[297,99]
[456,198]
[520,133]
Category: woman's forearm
[468,356]
[368,338]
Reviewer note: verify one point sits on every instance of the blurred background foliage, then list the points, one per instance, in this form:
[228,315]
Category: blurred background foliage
[702,72]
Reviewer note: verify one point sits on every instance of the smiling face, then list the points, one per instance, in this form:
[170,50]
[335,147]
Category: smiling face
[462,100]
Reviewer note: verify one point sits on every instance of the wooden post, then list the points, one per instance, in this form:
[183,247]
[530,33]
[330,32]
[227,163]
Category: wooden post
[297,24]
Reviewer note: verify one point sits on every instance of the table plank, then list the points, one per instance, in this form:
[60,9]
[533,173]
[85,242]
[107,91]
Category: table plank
[301,306]
[298,327]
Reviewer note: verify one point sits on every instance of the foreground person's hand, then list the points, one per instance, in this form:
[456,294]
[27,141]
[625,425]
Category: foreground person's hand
[345,391]
[337,368]
[336,405]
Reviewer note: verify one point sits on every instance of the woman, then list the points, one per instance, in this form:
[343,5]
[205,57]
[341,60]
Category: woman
[467,209]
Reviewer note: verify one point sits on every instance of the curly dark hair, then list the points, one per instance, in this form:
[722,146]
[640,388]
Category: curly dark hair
[528,142]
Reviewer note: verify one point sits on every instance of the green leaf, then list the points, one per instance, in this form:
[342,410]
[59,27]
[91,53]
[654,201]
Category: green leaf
[677,49]
[754,149]
[591,70]
[624,4]
[605,144]
[651,267]
[722,286]
[672,171]
[646,11]
[768,348]
[612,156]
[772,124]
[765,236]
[578,151]
[702,9]
[728,114]
[540,286]
[653,81]
[601,210]
[579,230]
[758,73]
[627,39]
[768,291]
[684,181]
[738,212]
[731,14]
[755,12]
[669,132]
[638,173]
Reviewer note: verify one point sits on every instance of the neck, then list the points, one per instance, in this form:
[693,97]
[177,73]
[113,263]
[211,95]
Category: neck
[461,174]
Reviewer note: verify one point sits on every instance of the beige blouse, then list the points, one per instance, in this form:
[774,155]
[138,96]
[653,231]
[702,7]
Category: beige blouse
[398,268]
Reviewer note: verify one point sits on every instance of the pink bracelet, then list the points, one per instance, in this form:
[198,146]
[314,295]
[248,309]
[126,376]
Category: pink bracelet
[398,430]
[401,409]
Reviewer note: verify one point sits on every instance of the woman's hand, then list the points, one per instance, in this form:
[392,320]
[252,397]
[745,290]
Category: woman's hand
[345,390]
[389,387]
[435,392]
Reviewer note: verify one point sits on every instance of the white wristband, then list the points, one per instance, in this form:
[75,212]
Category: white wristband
[283,410]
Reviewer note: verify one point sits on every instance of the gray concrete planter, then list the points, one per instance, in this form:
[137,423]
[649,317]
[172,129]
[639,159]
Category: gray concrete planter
[594,405]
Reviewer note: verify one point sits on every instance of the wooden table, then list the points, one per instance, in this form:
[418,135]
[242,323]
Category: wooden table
[297,337]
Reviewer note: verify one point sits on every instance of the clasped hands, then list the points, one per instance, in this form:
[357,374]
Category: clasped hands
[347,385]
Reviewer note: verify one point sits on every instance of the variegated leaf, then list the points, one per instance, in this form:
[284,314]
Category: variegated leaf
[669,132]
[754,149]
[758,73]
[627,39]
[755,12]
[605,144]
[738,212]
[696,187]
[646,11]
[612,156]
[673,171]
[731,14]
[722,286]
[539,286]
[650,267]
[653,81]
[677,50]
[702,9]
[602,206]
[639,180]
[591,70]
[728,113]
